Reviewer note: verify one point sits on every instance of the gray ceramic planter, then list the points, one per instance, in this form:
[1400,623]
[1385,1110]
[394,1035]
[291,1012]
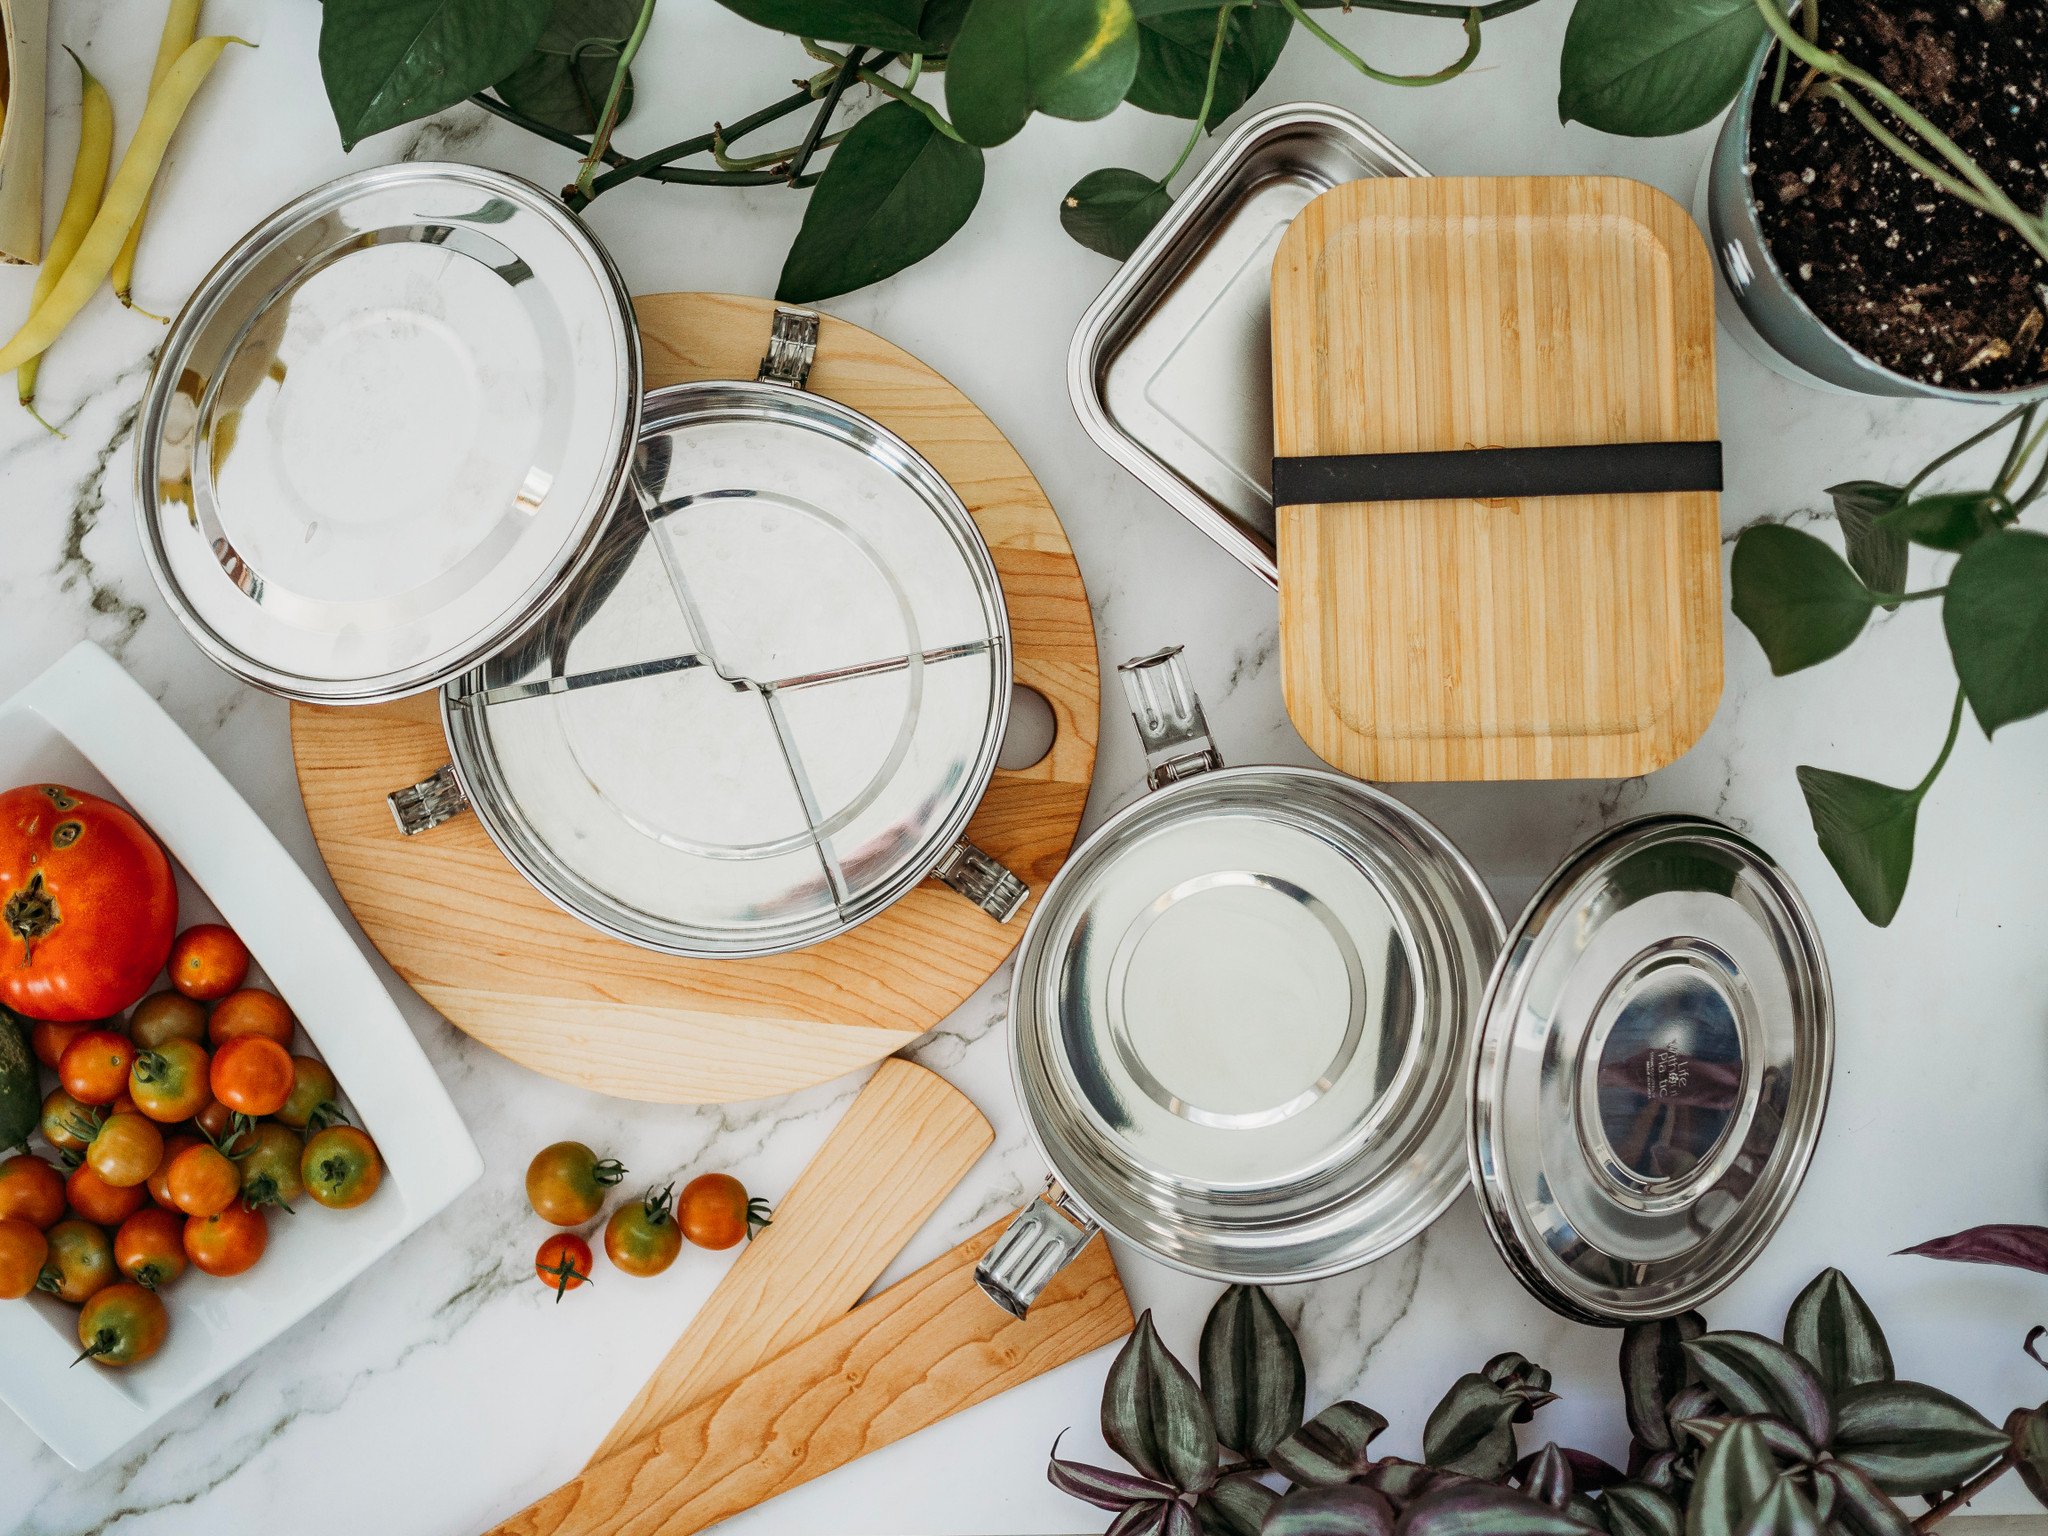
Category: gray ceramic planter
[1803,346]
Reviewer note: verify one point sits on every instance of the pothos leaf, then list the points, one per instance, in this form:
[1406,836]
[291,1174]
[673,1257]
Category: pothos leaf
[1833,1330]
[1252,1375]
[566,78]
[1996,615]
[1153,1414]
[1913,1438]
[1866,830]
[1067,58]
[2017,1247]
[891,24]
[1877,554]
[1173,60]
[1651,70]
[1343,1509]
[1751,1374]
[894,191]
[1796,595]
[1111,211]
[387,62]
[1949,520]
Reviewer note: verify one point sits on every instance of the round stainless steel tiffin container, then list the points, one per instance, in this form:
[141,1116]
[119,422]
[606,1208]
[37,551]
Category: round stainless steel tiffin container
[386,430]
[1264,1026]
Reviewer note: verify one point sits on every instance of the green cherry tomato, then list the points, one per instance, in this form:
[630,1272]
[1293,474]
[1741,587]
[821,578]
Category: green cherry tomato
[80,1262]
[642,1238]
[169,1082]
[565,1183]
[270,1166]
[122,1324]
[340,1167]
[315,1099]
[166,1016]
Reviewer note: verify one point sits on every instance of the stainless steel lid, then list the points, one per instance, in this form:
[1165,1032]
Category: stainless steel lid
[1653,1066]
[1241,1019]
[769,705]
[386,430]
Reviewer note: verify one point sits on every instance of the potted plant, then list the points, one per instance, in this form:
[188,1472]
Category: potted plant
[1873,199]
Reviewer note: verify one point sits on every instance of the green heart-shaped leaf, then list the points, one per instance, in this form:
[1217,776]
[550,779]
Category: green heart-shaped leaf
[1647,68]
[1913,1438]
[1833,1330]
[893,24]
[1996,615]
[1866,831]
[1798,597]
[1173,60]
[1153,1414]
[1112,211]
[387,62]
[1877,554]
[1252,1375]
[1949,520]
[1735,1472]
[894,191]
[565,80]
[1067,58]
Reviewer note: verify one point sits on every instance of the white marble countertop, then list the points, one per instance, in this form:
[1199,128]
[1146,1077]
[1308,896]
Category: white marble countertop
[446,1390]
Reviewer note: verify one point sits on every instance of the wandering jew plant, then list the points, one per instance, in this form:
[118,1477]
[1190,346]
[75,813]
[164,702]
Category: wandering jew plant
[1732,1434]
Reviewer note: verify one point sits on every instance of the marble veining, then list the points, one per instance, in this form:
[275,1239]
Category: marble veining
[445,1389]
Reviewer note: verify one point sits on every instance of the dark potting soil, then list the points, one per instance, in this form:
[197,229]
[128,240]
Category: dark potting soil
[1908,274]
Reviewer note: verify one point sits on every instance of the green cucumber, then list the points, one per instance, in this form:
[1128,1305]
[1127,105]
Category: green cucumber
[21,1098]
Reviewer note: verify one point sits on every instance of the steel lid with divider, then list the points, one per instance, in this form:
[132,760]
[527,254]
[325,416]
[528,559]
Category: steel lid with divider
[768,705]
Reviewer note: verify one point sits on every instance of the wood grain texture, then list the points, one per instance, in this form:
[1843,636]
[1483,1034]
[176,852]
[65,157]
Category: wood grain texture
[505,964]
[896,1153]
[925,1348]
[1557,637]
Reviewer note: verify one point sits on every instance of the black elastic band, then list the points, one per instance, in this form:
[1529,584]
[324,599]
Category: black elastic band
[1487,474]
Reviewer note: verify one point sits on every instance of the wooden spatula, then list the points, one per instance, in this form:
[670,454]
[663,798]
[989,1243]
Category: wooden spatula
[908,1139]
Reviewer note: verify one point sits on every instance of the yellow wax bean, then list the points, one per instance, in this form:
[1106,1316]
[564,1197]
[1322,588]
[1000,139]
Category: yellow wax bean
[181,24]
[81,203]
[117,215]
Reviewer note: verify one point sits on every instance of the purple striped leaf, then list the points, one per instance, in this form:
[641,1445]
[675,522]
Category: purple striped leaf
[2015,1246]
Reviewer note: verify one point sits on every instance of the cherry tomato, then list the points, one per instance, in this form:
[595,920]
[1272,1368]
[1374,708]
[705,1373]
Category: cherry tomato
[48,1037]
[81,1262]
[315,1097]
[716,1213]
[122,1324]
[252,1075]
[61,1113]
[228,1241]
[341,1168]
[171,1082]
[563,1263]
[216,1120]
[166,1016]
[251,1011]
[642,1237]
[159,1183]
[126,1150]
[96,1200]
[150,1247]
[208,961]
[202,1181]
[270,1166]
[94,1067]
[31,1191]
[87,905]
[22,1251]
[565,1183]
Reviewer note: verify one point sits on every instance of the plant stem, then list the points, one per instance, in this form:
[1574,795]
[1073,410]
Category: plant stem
[1834,91]
[1208,92]
[651,165]
[1472,20]
[519,119]
[888,87]
[848,72]
[1955,724]
[601,140]
[772,157]
[1990,1474]
[2014,454]
[1962,448]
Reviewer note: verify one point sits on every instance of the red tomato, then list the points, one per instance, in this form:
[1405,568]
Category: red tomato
[159,1183]
[31,1191]
[126,1150]
[563,1263]
[94,1068]
[715,1212]
[87,905]
[22,1251]
[98,1201]
[202,1181]
[252,1075]
[150,1247]
[47,1038]
[208,961]
[251,1011]
[228,1241]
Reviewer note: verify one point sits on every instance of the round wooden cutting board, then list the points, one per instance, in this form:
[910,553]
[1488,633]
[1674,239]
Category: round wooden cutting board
[502,962]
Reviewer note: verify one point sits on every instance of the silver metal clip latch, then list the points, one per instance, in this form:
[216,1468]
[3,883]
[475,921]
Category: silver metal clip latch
[1036,1246]
[792,348]
[428,803]
[982,880]
[1170,719]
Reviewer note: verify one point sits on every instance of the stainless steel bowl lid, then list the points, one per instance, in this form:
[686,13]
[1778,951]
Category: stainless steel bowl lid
[1653,1066]
[386,430]
[1241,1018]
[769,705]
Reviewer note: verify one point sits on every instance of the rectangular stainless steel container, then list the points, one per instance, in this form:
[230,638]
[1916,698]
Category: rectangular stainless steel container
[1171,370]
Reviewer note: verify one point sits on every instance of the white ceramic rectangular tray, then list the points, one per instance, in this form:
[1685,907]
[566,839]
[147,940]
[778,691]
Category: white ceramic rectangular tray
[86,723]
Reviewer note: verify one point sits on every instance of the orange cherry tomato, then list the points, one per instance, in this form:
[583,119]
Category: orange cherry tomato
[81,1262]
[48,1037]
[150,1247]
[159,1183]
[208,961]
[126,1150]
[165,1016]
[87,904]
[252,1075]
[714,1211]
[171,1082]
[202,1181]
[122,1324]
[98,1201]
[316,1097]
[62,1115]
[227,1242]
[31,1191]
[216,1118]
[22,1251]
[251,1011]
[341,1168]
[563,1263]
[94,1067]
[566,1183]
